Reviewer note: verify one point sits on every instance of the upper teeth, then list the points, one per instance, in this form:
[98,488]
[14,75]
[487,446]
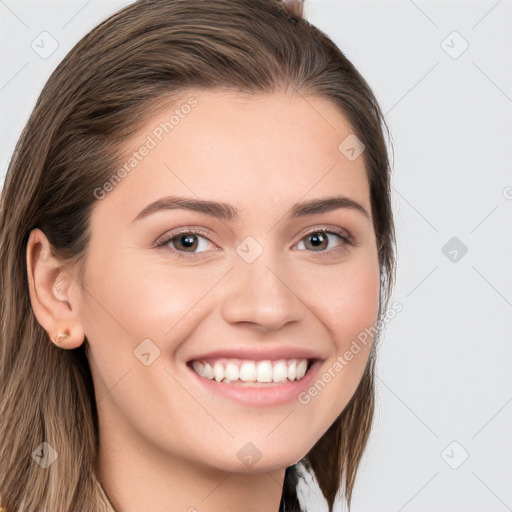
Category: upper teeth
[252,371]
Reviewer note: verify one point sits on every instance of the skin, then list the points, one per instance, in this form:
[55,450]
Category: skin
[166,443]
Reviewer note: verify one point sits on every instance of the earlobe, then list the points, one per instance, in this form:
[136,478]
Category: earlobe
[51,290]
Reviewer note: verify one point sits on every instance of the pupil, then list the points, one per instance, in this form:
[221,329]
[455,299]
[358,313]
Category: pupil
[317,239]
[188,241]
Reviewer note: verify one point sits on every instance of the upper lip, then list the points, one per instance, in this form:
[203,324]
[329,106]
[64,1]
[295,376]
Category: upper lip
[260,354]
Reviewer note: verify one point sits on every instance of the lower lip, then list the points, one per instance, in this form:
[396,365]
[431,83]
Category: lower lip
[262,396]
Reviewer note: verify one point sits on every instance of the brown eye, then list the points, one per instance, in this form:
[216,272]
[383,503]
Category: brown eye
[323,240]
[185,243]
[316,241]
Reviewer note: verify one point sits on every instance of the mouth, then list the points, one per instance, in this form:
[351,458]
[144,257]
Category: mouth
[246,372]
[253,383]
[258,376]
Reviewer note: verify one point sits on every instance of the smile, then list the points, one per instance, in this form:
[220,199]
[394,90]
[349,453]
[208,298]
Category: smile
[246,371]
[255,383]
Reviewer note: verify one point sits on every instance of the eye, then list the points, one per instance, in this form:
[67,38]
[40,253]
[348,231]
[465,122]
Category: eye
[190,241]
[319,239]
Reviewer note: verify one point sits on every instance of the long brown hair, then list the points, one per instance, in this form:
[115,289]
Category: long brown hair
[102,93]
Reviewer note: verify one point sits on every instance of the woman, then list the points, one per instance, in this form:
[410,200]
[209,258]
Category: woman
[196,247]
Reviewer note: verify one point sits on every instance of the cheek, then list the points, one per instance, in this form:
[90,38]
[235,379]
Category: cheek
[134,300]
[135,308]
[347,300]
[347,305]
[359,306]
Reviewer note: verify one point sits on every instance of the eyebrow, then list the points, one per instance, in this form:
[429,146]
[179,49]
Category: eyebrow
[228,212]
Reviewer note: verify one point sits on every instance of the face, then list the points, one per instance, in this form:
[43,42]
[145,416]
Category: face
[241,291]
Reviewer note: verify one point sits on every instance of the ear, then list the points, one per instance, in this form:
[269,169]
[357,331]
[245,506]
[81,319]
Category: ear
[54,293]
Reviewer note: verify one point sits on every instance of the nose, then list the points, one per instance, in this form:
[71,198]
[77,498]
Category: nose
[261,293]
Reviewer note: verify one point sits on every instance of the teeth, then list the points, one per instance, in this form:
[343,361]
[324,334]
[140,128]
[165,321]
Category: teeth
[280,372]
[292,370]
[218,372]
[252,371]
[248,372]
[208,371]
[232,371]
[264,371]
[301,369]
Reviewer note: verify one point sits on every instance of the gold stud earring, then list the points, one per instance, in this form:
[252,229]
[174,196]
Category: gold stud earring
[61,336]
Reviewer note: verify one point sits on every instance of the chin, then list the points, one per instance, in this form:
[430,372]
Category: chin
[250,459]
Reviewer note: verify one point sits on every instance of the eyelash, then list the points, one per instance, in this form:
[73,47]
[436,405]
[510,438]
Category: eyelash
[333,231]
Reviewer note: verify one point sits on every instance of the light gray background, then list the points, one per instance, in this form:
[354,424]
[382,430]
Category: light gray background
[444,386]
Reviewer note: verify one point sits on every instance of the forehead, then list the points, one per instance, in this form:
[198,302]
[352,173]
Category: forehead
[265,150]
